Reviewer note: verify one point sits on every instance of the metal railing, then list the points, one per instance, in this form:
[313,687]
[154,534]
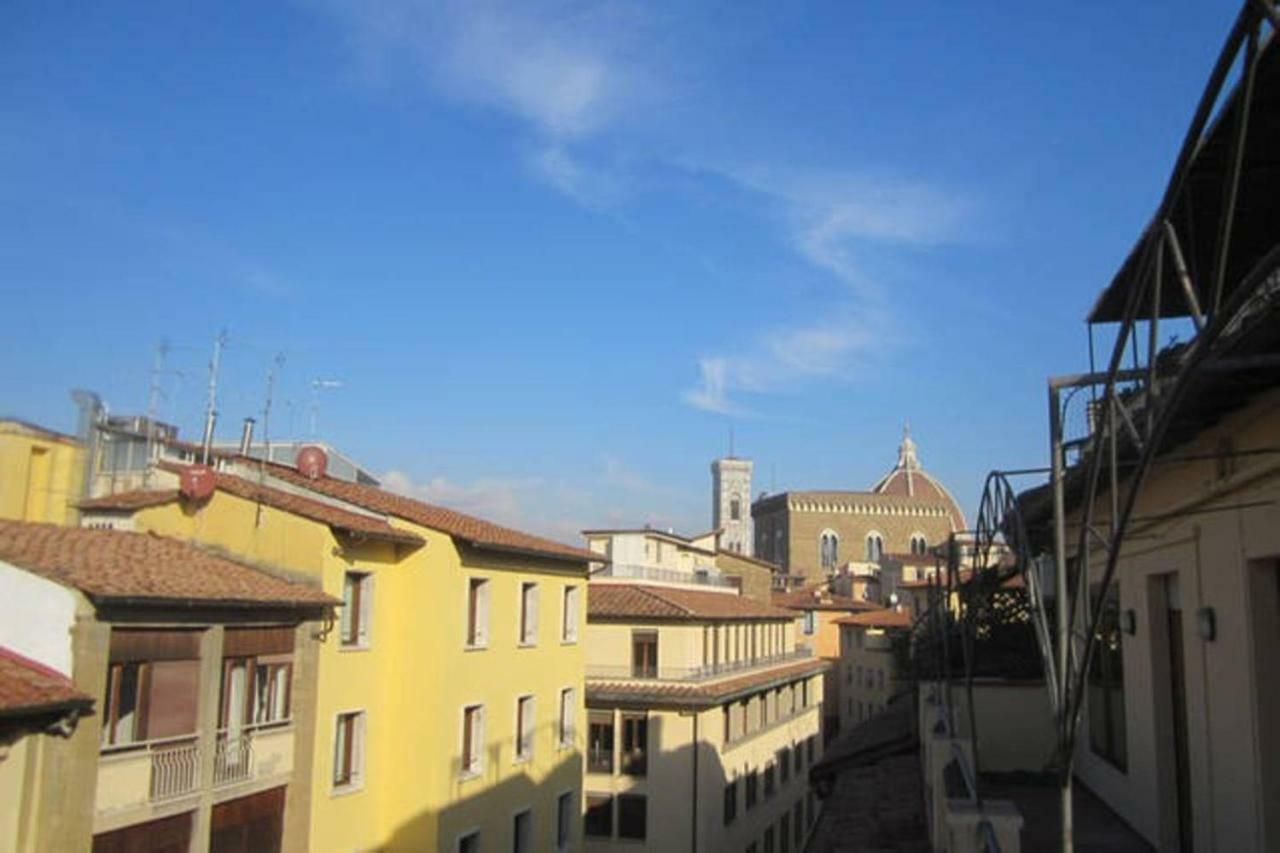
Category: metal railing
[699,575]
[233,757]
[175,765]
[694,673]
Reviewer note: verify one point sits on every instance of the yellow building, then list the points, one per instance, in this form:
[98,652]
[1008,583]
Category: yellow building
[703,718]
[449,694]
[41,472]
[202,671]
[867,667]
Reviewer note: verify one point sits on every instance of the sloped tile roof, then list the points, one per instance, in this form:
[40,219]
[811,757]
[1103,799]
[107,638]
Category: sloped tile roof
[678,692]
[883,618]
[476,531]
[804,599]
[29,687]
[131,500]
[641,601]
[115,564]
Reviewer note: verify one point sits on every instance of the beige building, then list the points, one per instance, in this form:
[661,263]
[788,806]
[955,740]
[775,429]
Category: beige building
[867,671]
[665,557]
[814,533]
[41,472]
[703,719]
[203,672]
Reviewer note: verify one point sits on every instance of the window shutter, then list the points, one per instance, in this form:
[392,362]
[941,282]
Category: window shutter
[531,635]
[366,609]
[357,752]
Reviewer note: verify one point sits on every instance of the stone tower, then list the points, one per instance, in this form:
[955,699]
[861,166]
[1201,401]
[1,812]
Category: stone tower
[731,504]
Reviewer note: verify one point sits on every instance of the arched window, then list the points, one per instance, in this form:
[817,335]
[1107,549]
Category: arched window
[829,550]
[875,547]
[735,508]
[919,544]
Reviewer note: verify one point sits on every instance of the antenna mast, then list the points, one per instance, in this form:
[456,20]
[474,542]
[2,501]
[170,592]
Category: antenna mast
[211,411]
[276,364]
[316,386]
[153,404]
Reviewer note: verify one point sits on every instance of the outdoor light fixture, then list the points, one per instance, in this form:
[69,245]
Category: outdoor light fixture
[1130,622]
[1207,623]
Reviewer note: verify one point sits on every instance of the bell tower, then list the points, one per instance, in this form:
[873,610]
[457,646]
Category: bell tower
[731,504]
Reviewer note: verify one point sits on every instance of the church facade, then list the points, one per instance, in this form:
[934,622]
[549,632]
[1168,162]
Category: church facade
[814,533]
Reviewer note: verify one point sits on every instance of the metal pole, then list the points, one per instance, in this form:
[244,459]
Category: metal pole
[211,412]
[1064,624]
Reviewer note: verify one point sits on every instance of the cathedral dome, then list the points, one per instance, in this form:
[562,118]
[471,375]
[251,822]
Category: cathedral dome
[909,479]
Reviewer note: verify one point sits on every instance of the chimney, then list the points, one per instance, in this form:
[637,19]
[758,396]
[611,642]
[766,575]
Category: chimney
[206,443]
[246,437]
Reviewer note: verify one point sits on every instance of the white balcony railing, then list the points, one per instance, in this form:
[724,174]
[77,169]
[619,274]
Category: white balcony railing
[699,575]
[695,673]
[174,769]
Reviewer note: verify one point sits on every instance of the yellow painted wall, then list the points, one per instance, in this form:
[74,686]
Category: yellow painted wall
[40,474]
[415,676]
[19,763]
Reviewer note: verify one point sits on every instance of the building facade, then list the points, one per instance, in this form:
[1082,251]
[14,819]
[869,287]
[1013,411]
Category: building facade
[703,718]
[868,670]
[730,502]
[814,533]
[41,473]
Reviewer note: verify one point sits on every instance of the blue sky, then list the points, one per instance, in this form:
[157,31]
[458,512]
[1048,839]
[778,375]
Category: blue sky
[554,251]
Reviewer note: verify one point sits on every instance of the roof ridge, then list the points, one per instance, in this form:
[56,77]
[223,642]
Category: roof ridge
[652,592]
[31,663]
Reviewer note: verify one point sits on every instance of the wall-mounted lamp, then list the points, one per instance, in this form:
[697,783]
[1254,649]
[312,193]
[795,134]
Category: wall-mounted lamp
[1207,623]
[1129,622]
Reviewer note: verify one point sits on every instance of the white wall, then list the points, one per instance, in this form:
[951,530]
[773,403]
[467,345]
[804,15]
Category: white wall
[38,615]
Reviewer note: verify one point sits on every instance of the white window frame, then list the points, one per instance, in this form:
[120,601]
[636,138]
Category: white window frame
[480,640]
[464,835]
[357,776]
[364,634]
[566,844]
[570,612]
[523,750]
[466,770]
[567,729]
[527,629]
[810,621]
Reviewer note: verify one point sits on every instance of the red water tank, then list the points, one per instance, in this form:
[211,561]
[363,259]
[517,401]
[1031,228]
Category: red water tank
[197,482]
[312,462]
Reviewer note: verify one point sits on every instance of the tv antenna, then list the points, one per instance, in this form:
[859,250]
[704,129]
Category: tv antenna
[318,385]
[211,410]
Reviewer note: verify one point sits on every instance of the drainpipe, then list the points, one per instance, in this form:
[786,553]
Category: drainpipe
[693,827]
[246,437]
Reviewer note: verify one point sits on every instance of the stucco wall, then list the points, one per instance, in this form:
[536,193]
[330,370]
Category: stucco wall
[38,617]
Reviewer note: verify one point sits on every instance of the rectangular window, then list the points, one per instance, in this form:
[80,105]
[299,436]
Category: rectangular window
[797,820]
[564,820]
[524,728]
[522,832]
[808,748]
[598,821]
[784,765]
[472,739]
[808,622]
[528,614]
[799,754]
[569,615]
[635,744]
[600,742]
[477,612]
[644,654]
[767,846]
[568,699]
[469,843]
[770,777]
[1106,685]
[730,802]
[784,833]
[753,788]
[348,750]
[357,607]
[146,700]
[632,816]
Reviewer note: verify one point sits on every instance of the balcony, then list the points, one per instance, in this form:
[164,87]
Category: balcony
[699,575]
[706,672]
[151,772]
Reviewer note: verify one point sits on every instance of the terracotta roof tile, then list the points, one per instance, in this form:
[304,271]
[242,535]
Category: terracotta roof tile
[28,687]
[126,501]
[116,564]
[477,531]
[641,601]
[883,618]
[700,693]
[804,599]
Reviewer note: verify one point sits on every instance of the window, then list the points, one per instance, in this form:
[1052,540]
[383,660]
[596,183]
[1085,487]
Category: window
[644,654]
[598,822]
[767,846]
[808,748]
[809,626]
[121,721]
[875,547]
[522,832]
[829,550]
[1106,685]
[600,742]
[880,678]
[770,775]
[569,615]
[568,698]
[348,750]
[357,605]
[254,690]
[472,739]
[799,754]
[469,843]
[797,820]
[730,802]
[477,612]
[635,744]
[632,816]
[919,545]
[735,508]
[784,833]
[811,809]
[524,728]
[564,817]
[753,788]
[528,614]
[784,765]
